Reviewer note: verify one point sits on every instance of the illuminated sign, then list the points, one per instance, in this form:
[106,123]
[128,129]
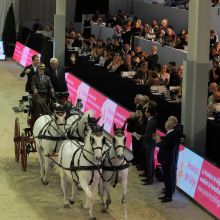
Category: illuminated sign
[23,54]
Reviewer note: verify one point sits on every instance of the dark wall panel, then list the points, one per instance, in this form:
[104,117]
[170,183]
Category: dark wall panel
[90,7]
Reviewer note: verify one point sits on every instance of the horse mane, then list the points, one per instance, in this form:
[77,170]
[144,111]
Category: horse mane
[83,121]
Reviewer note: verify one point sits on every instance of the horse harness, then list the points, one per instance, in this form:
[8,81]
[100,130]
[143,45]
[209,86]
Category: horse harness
[115,169]
[43,135]
[75,168]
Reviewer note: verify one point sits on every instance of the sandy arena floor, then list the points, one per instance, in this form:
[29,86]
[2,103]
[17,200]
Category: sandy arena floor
[23,197]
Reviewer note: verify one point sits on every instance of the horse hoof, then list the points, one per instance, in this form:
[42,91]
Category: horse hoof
[44,183]
[104,210]
[66,206]
[92,218]
[71,201]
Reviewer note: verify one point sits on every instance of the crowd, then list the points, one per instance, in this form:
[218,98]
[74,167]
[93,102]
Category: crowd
[119,55]
[143,125]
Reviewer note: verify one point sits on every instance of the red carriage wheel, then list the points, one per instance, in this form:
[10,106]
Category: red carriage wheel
[23,152]
[17,139]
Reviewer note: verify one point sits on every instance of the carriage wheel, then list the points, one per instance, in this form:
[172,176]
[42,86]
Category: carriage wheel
[23,152]
[17,139]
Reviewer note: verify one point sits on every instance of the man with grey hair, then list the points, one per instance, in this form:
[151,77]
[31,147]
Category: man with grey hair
[57,76]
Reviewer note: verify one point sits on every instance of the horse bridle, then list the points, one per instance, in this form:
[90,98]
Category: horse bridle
[92,141]
[113,140]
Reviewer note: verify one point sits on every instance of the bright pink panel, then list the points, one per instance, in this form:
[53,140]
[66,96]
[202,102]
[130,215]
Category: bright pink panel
[94,102]
[208,188]
[18,51]
[23,55]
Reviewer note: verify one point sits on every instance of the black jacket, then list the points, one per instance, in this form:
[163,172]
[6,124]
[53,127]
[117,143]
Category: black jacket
[29,77]
[58,80]
[152,61]
[167,147]
[44,86]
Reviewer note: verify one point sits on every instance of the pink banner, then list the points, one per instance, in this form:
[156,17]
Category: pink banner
[208,188]
[95,102]
[23,54]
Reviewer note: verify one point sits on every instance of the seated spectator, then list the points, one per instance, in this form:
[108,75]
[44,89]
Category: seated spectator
[109,44]
[93,42]
[212,89]
[182,42]
[169,38]
[126,65]
[216,56]
[164,25]
[103,57]
[109,58]
[164,75]
[214,73]
[116,62]
[126,50]
[77,41]
[214,105]
[117,47]
[141,76]
[160,36]
[213,38]
[148,32]
[153,79]
[94,55]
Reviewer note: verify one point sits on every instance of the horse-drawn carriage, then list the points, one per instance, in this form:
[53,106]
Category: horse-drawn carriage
[24,143]
[83,155]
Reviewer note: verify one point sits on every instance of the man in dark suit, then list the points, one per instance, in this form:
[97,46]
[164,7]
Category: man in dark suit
[57,76]
[167,157]
[30,71]
[42,89]
[149,143]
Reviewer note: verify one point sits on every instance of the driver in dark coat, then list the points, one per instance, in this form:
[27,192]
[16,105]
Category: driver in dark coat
[42,89]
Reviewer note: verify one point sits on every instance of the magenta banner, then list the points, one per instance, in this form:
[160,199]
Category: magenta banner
[23,55]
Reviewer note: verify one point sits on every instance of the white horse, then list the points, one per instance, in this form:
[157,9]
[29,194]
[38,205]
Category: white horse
[81,165]
[115,169]
[49,133]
